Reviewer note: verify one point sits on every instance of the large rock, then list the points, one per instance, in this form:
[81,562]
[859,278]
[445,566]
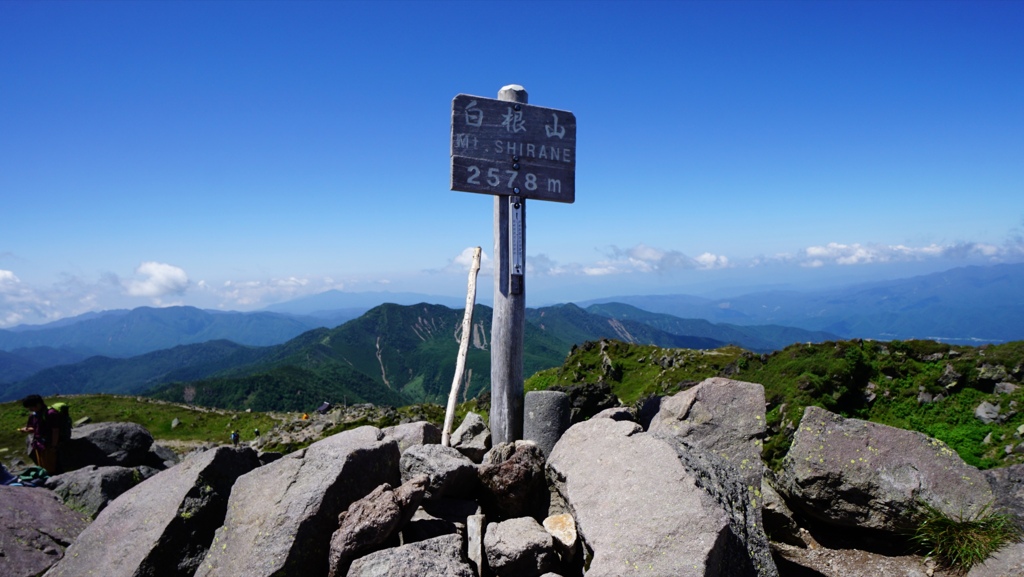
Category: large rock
[721,416]
[35,528]
[281,516]
[472,438]
[1007,562]
[855,473]
[635,504]
[986,412]
[409,434]
[587,399]
[105,444]
[519,548]
[91,488]
[161,457]
[748,550]
[162,526]
[1008,486]
[516,486]
[441,556]
[370,521]
[449,471]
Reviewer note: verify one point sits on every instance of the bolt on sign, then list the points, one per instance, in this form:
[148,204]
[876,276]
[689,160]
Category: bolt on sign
[510,148]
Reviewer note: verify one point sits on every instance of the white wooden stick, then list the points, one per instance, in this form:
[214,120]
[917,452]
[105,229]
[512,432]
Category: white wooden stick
[460,363]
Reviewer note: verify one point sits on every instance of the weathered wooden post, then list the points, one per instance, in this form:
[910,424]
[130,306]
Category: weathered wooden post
[509,316]
[514,151]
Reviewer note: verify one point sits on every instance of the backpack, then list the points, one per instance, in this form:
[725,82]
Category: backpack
[33,477]
[63,420]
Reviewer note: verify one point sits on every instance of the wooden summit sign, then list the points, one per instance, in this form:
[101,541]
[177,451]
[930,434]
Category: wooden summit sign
[512,148]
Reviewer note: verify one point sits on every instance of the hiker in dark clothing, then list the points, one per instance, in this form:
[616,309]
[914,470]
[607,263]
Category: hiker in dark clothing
[44,424]
[234,438]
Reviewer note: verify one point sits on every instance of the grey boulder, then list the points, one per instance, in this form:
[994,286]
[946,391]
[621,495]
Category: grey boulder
[91,488]
[35,529]
[281,516]
[1007,562]
[855,473]
[635,504]
[1008,486]
[162,526]
[438,557]
[986,412]
[103,444]
[409,434]
[449,471]
[722,416]
[472,438]
[519,547]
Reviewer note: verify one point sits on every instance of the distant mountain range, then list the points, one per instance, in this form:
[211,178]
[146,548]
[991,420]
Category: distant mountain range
[390,353]
[334,302]
[968,305]
[124,333]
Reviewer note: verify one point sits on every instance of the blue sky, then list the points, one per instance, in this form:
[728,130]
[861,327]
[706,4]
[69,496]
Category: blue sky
[230,155]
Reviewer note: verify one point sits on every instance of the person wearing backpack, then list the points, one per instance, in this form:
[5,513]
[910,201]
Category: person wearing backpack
[44,425]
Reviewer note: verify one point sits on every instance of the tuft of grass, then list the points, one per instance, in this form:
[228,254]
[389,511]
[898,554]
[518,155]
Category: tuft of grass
[962,542]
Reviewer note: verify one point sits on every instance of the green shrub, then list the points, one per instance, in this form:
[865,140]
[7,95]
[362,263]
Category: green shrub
[961,543]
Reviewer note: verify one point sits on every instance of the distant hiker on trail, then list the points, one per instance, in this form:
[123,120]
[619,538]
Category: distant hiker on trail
[257,432]
[305,416]
[44,425]
[234,438]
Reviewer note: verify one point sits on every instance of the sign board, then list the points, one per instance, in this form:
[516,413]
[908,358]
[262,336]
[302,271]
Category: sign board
[510,148]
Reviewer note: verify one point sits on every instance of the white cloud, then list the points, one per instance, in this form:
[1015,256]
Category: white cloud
[465,258]
[644,259]
[461,262]
[711,261]
[861,254]
[255,292]
[599,270]
[21,303]
[156,280]
[15,298]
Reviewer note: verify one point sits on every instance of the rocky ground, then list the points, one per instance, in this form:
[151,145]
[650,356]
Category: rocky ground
[678,489]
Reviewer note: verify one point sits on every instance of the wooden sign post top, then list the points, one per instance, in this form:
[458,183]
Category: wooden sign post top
[512,148]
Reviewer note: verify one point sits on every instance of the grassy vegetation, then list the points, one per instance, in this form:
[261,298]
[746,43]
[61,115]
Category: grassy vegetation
[196,424]
[202,425]
[636,371]
[884,382]
[960,543]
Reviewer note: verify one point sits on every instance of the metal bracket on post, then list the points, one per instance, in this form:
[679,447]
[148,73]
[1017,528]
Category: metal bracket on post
[517,258]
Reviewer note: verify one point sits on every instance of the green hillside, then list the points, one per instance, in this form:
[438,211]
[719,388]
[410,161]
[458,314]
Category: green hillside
[925,386]
[573,324]
[757,338]
[393,355]
[137,374]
